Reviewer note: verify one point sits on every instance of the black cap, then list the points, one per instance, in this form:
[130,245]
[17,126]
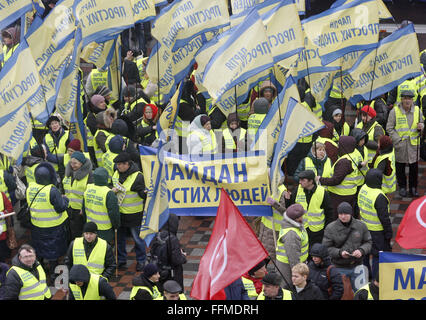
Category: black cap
[407,93]
[52,118]
[90,227]
[257,267]
[307,174]
[172,286]
[272,279]
[122,157]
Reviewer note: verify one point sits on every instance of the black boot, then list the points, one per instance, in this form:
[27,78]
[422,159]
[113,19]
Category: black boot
[414,193]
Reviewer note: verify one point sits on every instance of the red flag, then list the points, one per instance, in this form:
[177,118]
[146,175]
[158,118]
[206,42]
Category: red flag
[412,229]
[233,249]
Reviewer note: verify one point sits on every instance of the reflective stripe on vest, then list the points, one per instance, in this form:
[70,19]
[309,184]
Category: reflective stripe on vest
[74,191]
[89,136]
[108,162]
[3,186]
[208,145]
[370,133]
[366,199]
[132,202]
[277,217]
[388,182]
[326,171]
[95,206]
[281,253]
[155,293]
[250,288]
[96,261]
[182,127]
[92,291]
[32,289]
[402,128]
[43,214]
[98,151]
[349,185]
[314,217]
[3,225]
[358,158]
[229,140]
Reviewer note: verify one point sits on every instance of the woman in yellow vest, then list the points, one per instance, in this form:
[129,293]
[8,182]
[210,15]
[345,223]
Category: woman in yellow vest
[84,285]
[341,127]
[37,155]
[26,279]
[146,131]
[202,139]
[234,138]
[104,120]
[56,141]
[74,145]
[385,162]
[48,212]
[10,38]
[361,152]
[316,160]
[78,174]
[145,286]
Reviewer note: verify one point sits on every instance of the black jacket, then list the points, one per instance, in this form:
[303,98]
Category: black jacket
[309,292]
[142,281]
[109,264]
[13,283]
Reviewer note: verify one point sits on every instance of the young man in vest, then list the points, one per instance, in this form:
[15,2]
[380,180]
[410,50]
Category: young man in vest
[316,202]
[374,211]
[26,279]
[405,126]
[131,208]
[100,206]
[272,289]
[292,244]
[146,286]
[93,252]
[84,285]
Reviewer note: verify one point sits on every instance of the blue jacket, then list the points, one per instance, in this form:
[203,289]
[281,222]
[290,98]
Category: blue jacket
[236,291]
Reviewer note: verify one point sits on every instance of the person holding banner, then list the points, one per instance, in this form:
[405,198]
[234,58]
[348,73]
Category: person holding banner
[405,125]
[10,38]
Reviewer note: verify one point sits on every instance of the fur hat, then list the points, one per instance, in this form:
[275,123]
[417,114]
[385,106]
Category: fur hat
[90,227]
[295,211]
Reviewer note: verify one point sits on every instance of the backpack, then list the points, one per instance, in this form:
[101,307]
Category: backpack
[348,293]
[158,254]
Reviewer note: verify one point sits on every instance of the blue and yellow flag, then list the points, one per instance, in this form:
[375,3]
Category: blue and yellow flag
[239,6]
[383,10]
[100,54]
[402,276]
[298,122]
[143,10]
[350,27]
[10,11]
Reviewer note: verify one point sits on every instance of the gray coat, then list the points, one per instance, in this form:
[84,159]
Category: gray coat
[404,151]
[334,239]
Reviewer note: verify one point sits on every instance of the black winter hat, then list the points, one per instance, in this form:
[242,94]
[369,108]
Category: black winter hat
[90,227]
[272,279]
[122,157]
[149,270]
[345,207]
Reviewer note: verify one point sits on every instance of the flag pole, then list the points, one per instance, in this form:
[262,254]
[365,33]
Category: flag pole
[290,287]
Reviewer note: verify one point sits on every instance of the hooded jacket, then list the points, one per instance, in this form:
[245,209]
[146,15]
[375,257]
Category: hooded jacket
[81,273]
[193,141]
[14,33]
[143,281]
[318,163]
[13,284]
[330,149]
[318,273]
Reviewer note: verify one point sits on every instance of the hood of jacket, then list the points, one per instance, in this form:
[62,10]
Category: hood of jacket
[319,250]
[45,174]
[100,177]
[14,33]
[79,174]
[31,160]
[172,225]
[119,126]
[358,134]
[261,106]
[267,84]
[116,144]
[79,272]
[373,178]
[327,130]
[347,144]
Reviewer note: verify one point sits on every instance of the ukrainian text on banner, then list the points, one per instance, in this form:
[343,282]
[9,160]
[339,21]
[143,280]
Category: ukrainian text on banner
[239,6]
[114,76]
[383,10]
[19,81]
[402,276]
[182,20]
[351,27]
[143,10]
[100,54]
[100,20]
[261,8]
[269,130]
[298,122]
[67,97]
[168,116]
[284,32]
[11,11]
[378,71]
[194,183]
[245,53]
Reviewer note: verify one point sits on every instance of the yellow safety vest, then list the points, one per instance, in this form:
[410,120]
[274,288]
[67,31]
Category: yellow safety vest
[108,162]
[243,111]
[366,199]
[208,146]
[75,191]
[370,133]
[43,214]
[98,78]
[345,132]
[366,287]
[155,293]
[95,206]
[401,126]
[29,173]
[229,140]
[336,93]
[388,182]
[277,218]
[254,122]
[410,85]
[7,53]
[281,252]
[98,150]
[181,127]
[92,292]
[358,158]
[314,218]
[139,63]
[59,149]
[3,224]
[324,140]
[250,288]
[132,202]
[143,124]
[286,295]
[3,186]
[67,158]
[32,289]
[96,261]
[128,107]
[327,170]
[349,185]
[89,136]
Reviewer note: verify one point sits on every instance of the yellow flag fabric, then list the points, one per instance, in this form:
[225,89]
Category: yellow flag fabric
[402,276]
[380,70]
[239,6]
[168,116]
[100,54]
[11,11]
[114,76]
[143,10]
[383,10]
[301,6]
[346,28]
[182,20]
[262,8]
